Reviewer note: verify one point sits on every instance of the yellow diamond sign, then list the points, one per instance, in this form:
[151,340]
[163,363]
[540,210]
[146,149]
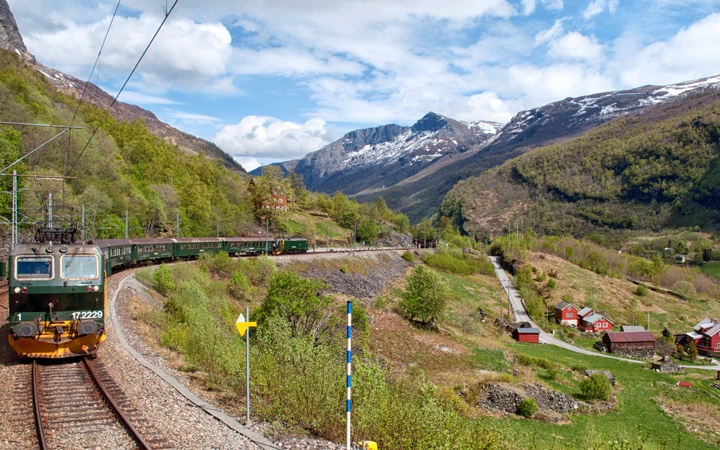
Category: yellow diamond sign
[242,325]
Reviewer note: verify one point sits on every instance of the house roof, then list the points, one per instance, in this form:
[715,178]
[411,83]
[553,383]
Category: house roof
[528,331]
[713,331]
[595,317]
[694,335]
[632,328]
[562,305]
[585,311]
[705,324]
[630,336]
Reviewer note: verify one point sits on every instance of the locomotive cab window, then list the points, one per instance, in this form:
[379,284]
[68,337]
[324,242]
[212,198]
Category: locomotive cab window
[79,267]
[33,267]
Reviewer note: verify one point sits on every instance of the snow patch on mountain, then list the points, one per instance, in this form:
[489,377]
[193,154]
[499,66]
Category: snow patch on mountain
[418,147]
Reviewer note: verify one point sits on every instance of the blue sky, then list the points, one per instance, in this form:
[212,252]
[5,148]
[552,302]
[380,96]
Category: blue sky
[274,80]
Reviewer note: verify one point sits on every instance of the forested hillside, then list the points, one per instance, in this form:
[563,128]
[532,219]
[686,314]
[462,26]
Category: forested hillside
[644,173]
[113,168]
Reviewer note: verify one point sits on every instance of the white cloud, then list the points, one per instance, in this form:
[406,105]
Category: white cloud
[550,34]
[267,137]
[139,98]
[691,53]
[535,86]
[247,163]
[553,4]
[577,47]
[194,119]
[488,106]
[598,6]
[528,6]
[185,54]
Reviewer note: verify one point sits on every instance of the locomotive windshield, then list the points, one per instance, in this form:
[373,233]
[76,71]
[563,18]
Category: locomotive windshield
[79,267]
[33,267]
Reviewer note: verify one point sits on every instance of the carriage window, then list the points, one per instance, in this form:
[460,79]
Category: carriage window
[33,267]
[84,267]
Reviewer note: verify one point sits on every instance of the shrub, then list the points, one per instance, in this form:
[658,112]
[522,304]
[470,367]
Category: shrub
[300,302]
[424,297]
[641,291]
[663,347]
[685,289]
[528,407]
[239,286]
[551,284]
[596,387]
[407,256]
[163,281]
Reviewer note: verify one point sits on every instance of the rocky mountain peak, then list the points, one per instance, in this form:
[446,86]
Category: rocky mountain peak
[429,122]
[10,37]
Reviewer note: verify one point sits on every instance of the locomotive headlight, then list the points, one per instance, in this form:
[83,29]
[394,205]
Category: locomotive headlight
[16,290]
[96,288]
[93,288]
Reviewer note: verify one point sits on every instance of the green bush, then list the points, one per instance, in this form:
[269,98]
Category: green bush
[455,261]
[239,286]
[552,284]
[300,302]
[685,289]
[163,281]
[425,296]
[596,387]
[528,407]
[408,256]
[641,291]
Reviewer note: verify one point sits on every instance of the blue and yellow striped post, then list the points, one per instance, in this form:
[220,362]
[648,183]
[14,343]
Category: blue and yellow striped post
[349,369]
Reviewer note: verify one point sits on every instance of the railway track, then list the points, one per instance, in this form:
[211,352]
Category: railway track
[77,404]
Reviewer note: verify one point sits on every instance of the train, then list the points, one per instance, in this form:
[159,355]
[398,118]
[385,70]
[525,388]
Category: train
[123,253]
[57,292]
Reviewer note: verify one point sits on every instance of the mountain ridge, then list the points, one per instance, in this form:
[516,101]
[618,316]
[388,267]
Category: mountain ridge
[418,191]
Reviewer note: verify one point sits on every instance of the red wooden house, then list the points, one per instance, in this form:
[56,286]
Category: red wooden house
[566,314]
[527,335]
[595,323]
[706,336]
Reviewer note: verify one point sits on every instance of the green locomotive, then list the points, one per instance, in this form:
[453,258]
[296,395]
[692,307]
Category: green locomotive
[57,299]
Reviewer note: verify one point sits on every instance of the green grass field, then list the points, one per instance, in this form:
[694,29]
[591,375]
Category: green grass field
[712,269]
[638,414]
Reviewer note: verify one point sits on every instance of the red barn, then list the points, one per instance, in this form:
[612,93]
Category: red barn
[527,335]
[595,323]
[640,344]
[566,314]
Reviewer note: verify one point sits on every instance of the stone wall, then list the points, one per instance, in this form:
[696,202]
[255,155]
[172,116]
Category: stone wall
[507,397]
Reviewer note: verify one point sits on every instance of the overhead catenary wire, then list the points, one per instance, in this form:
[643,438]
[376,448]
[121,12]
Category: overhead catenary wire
[97,60]
[127,80]
[87,83]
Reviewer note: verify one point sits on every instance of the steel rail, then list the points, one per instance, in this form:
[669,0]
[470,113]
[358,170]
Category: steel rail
[42,440]
[134,432]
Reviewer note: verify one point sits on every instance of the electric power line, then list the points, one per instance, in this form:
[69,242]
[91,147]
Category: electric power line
[127,80]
